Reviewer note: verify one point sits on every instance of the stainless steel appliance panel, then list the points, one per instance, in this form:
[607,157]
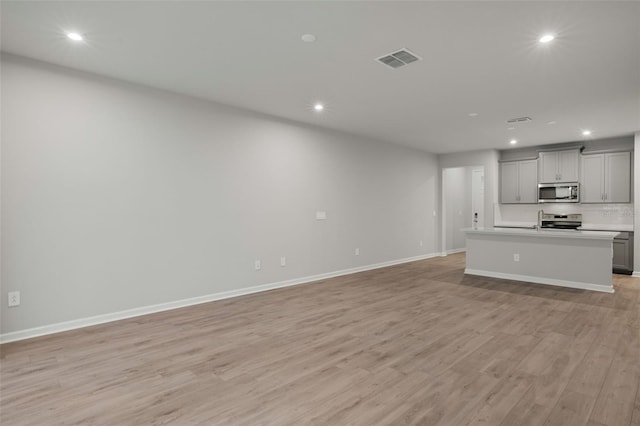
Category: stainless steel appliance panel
[567,192]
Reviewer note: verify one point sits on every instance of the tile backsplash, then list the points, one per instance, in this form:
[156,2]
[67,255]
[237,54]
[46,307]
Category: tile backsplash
[592,214]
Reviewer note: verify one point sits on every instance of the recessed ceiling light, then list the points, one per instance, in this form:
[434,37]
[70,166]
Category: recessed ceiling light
[473,114]
[75,36]
[586,132]
[318,107]
[546,38]
[513,141]
[511,128]
[308,38]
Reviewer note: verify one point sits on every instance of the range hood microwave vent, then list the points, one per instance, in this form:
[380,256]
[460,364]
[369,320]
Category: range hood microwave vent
[399,59]
[519,120]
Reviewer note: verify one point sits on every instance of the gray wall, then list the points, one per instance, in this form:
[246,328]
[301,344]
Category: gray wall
[116,196]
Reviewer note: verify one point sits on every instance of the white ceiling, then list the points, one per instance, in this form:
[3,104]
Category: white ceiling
[480,57]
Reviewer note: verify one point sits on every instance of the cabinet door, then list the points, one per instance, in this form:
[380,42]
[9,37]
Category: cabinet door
[621,261]
[592,182]
[548,167]
[617,177]
[568,164]
[509,182]
[528,181]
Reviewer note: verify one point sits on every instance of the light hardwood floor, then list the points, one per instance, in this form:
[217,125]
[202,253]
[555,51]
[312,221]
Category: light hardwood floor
[419,343]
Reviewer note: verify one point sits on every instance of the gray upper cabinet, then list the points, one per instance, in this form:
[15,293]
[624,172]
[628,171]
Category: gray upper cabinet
[518,182]
[617,178]
[592,181]
[509,182]
[559,166]
[606,178]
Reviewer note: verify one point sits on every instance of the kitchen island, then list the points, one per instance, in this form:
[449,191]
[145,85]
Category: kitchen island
[570,258]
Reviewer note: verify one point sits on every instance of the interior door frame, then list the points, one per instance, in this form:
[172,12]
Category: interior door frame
[443,202]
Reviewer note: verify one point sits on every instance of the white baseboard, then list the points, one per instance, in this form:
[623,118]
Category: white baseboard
[454,251]
[635,274]
[145,310]
[541,280]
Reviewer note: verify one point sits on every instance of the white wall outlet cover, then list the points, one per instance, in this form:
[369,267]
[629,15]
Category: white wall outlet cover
[357,252]
[320,215]
[258,265]
[283,261]
[13,298]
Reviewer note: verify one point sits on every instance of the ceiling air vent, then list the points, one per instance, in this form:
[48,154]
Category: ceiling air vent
[519,120]
[398,59]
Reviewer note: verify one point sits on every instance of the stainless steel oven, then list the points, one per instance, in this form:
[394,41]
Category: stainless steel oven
[568,192]
[559,221]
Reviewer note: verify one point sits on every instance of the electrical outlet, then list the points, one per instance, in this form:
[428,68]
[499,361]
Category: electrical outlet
[357,252]
[258,265]
[421,243]
[516,257]
[13,298]
[283,261]
[320,215]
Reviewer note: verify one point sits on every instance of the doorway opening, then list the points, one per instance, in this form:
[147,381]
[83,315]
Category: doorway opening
[462,205]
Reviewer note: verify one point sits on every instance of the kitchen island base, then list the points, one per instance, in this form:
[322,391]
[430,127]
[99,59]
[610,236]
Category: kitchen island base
[575,259]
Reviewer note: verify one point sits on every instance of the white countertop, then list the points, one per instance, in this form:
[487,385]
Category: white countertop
[516,224]
[584,227]
[596,227]
[544,233]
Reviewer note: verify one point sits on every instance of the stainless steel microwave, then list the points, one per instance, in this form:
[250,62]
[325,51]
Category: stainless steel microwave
[567,192]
